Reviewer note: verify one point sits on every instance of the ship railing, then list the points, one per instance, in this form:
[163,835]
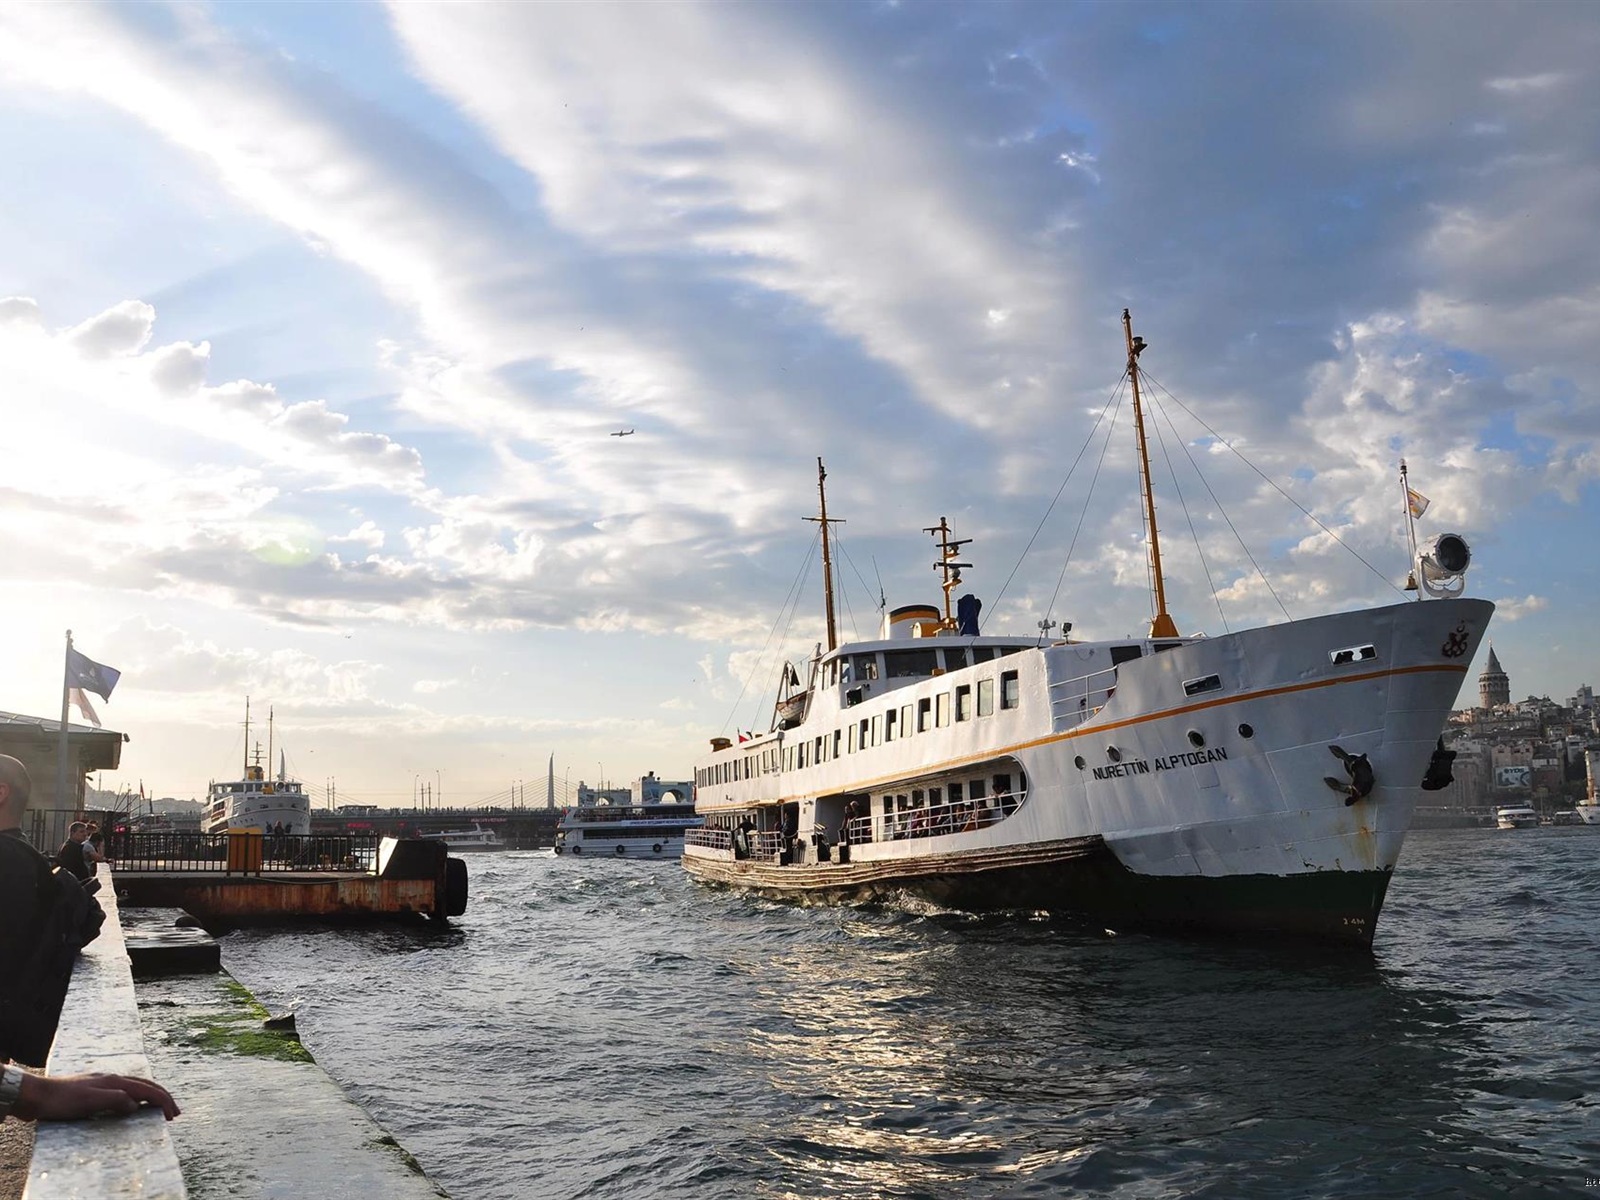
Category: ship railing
[710,839]
[1076,700]
[951,816]
[242,852]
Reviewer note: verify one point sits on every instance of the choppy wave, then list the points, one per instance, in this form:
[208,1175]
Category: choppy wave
[609,1029]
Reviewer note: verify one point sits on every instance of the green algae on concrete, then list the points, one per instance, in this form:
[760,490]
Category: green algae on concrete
[261,1120]
[235,1026]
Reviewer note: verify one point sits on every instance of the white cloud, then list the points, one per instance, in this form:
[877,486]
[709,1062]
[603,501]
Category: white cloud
[1515,608]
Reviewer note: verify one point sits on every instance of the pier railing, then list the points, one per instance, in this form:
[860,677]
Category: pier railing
[241,852]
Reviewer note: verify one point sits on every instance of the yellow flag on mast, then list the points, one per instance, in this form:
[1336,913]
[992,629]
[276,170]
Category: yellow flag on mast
[1417,501]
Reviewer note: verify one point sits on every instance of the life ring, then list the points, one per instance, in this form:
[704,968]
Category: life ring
[656,847]
[622,849]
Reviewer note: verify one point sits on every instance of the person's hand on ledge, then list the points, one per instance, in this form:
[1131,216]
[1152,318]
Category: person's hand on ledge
[77,1097]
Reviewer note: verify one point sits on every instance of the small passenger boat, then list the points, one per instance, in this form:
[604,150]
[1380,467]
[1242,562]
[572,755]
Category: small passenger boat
[647,821]
[1515,816]
[1260,782]
[477,839]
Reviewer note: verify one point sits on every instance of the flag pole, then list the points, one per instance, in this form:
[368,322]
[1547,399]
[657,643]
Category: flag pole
[61,754]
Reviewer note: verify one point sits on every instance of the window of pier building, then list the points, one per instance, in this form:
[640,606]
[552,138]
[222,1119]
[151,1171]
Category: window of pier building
[955,658]
[911,664]
[924,714]
[941,709]
[964,702]
[985,697]
[1010,696]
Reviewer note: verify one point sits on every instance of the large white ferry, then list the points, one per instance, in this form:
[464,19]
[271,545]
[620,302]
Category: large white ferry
[648,820]
[1261,781]
[271,805]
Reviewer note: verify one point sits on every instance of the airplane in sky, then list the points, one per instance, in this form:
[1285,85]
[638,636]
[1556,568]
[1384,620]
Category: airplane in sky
[622,433]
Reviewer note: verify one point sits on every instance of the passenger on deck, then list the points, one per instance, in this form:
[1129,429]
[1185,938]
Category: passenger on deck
[846,833]
[741,836]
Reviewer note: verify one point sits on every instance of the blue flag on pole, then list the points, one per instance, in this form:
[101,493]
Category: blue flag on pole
[85,673]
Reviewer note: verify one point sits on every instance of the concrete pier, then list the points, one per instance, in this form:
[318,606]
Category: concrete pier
[261,1120]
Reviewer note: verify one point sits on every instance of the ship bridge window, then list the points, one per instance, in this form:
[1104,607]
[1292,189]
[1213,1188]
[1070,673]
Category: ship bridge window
[982,654]
[910,664]
[1158,647]
[955,658]
[864,667]
[1352,654]
[1010,696]
[1122,654]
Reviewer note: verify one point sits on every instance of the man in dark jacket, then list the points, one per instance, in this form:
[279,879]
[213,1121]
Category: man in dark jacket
[76,855]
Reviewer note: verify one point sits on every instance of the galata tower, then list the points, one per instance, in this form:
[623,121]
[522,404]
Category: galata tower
[1494,685]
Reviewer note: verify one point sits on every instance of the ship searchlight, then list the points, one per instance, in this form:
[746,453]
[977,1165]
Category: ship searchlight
[1442,565]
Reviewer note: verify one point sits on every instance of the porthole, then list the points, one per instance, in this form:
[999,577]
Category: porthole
[1078,762]
[1113,754]
[1248,731]
[1196,738]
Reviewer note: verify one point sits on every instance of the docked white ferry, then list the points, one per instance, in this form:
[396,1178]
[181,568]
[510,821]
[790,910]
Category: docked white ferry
[1261,781]
[648,820]
[255,802]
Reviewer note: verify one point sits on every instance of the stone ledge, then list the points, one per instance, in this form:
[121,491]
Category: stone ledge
[100,1031]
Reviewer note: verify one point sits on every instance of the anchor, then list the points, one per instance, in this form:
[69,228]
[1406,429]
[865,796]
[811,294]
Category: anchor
[1361,780]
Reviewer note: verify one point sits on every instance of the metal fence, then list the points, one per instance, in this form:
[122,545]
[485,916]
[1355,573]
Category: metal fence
[241,852]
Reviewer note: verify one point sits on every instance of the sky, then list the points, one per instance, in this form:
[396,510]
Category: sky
[316,322]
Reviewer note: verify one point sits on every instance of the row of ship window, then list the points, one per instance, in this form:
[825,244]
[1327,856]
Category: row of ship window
[894,724]
[910,664]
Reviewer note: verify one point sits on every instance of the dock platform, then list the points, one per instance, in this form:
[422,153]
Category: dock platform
[408,880]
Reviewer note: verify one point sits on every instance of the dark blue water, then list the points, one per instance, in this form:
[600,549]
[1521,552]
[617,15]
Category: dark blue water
[610,1029]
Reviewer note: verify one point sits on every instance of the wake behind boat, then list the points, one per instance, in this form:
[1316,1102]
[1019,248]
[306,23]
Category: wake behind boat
[648,820]
[1261,781]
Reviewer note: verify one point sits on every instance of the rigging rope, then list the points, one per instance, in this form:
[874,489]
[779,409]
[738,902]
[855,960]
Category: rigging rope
[1275,487]
[791,603]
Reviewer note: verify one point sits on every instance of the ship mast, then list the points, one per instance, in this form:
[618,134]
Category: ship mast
[827,557]
[245,774]
[1161,624]
[949,551]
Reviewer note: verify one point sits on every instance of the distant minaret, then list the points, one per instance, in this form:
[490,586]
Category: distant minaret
[550,784]
[1494,685]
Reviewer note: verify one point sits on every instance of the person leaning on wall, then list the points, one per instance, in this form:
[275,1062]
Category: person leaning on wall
[23,918]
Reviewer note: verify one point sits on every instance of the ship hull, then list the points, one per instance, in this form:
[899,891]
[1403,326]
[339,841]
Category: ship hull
[1085,882]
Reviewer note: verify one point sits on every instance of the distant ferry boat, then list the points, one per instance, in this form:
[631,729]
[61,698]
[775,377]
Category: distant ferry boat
[1516,816]
[476,839]
[647,821]
[272,805]
[1259,782]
